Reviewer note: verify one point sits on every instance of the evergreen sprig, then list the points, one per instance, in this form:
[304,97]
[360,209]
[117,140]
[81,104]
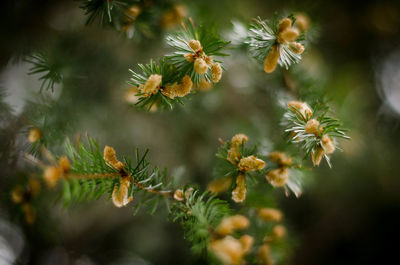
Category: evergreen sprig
[91,176]
[50,71]
[102,10]
[295,121]
[170,76]
[199,215]
[264,34]
[212,45]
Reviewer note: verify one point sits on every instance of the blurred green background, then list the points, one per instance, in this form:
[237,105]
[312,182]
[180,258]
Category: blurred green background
[347,215]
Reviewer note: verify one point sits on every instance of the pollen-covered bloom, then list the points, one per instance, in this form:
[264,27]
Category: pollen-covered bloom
[251,163]
[151,86]
[178,90]
[233,153]
[230,224]
[34,135]
[231,251]
[326,147]
[270,214]
[52,174]
[303,108]
[111,158]
[240,191]
[284,176]
[120,195]
[216,71]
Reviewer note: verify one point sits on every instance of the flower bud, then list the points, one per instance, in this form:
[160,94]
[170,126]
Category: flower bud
[264,255]
[297,47]
[17,194]
[328,144]
[204,85]
[216,71]
[189,57]
[251,163]
[247,242]
[239,139]
[178,195]
[64,164]
[278,177]
[284,24]
[111,158]
[120,194]
[301,107]
[270,214]
[317,155]
[239,193]
[271,61]
[302,22]
[130,95]
[288,35]
[152,85]
[230,224]
[34,135]
[312,126]
[52,175]
[195,45]
[278,232]
[200,66]
[228,250]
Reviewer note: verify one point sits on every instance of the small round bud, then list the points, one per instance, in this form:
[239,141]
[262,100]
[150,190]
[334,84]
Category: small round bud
[34,135]
[302,108]
[297,47]
[51,175]
[195,45]
[264,255]
[284,24]
[312,126]
[189,57]
[278,177]
[228,250]
[120,194]
[152,85]
[220,185]
[239,139]
[216,71]
[178,195]
[200,66]
[278,232]
[302,22]
[317,155]
[230,224]
[270,214]
[328,144]
[247,242]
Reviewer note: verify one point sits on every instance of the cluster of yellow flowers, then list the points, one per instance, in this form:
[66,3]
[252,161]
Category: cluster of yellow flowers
[202,63]
[277,233]
[24,195]
[279,176]
[287,35]
[225,247]
[244,164]
[314,127]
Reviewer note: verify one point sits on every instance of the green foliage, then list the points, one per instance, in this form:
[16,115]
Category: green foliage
[263,35]
[211,42]
[199,215]
[50,70]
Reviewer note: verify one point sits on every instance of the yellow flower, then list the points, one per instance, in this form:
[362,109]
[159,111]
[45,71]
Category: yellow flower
[239,139]
[204,85]
[302,22]
[230,224]
[301,107]
[228,249]
[278,177]
[130,95]
[270,214]
[216,71]
[17,194]
[34,135]
[264,255]
[239,193]
[328,144]
[195,45]
[271,61]
[120,194]
[152,85]
[52,174]
[251,163]
[200,66]
[313,127]
[111,158]
[247,242]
